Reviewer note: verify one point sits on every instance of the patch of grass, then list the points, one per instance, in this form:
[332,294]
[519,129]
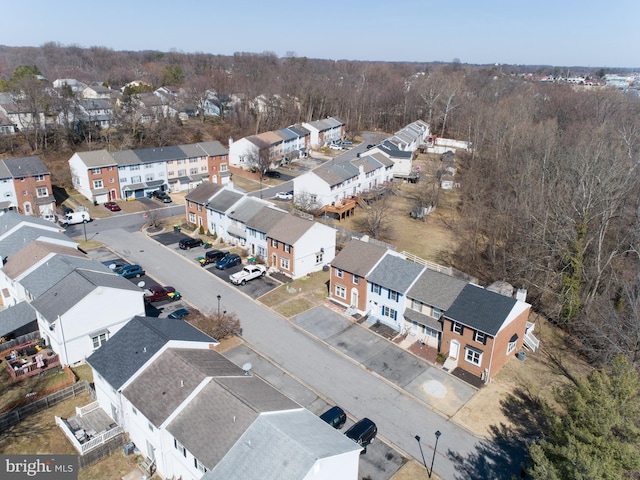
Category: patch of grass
[294,307]
[83,372]
[13,392]
[313,286]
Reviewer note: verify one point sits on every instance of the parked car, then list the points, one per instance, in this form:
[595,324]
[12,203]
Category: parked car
[188,243]
[156,293]
[362,432]
[212,256]
[115,264]
[284,195]
[228,261]
[113,206]
[179,314]
[335,417]
[335,146]
[162,196]
[272,174]
[347,142]
[249,272]
[130,271]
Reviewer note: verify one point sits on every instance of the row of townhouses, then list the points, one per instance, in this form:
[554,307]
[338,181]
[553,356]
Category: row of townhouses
[286,242]
[189,411]
[476,328]
[128,174]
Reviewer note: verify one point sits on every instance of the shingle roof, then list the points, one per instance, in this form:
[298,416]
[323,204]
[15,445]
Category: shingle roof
[281,446]
[16,317]
[246,209]
[159,154]
[289,229]
[480,309]
[358,257]
[395,273]
[211,149]
[172,377]
[10,219]
[97,158]
[34,252]
[265,218]
[72,288]
[203,192]
[224,200]
[48,274]
[25,166]
[337,173]
[436,289]
[27,234]
[125,157]
[135,343]
[229,405]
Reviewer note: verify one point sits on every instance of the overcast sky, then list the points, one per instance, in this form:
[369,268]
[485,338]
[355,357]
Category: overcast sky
[547,32]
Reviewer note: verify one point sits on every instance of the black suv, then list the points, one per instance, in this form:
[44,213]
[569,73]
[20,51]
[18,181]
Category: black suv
[362,432]
[272,174]
[212,256]
[187,243]
[335,417]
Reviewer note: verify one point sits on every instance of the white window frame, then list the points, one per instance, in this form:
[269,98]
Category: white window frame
[39,191]
[457,328]
[473,356]
[341,292]
[479,337]
[511,346]
[99,340]
[339,273]
[98,183]
[284,263]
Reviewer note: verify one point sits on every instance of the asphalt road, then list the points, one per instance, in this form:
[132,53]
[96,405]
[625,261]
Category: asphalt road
[326,371]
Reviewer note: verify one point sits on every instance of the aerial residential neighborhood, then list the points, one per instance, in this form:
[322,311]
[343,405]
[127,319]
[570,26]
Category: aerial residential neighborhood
[265,266]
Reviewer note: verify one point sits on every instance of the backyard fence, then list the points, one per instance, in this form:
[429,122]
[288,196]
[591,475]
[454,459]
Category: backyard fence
[18,414]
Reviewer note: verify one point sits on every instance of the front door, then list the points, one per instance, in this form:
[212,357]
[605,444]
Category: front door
[454,349]
[354,298]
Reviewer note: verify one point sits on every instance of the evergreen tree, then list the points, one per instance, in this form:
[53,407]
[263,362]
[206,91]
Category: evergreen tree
[596,434]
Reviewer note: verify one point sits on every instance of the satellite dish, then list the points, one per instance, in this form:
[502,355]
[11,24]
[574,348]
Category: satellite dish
[141,283]
[246,367]
[112,266]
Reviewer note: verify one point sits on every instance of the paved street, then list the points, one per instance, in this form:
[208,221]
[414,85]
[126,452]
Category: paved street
[322,368]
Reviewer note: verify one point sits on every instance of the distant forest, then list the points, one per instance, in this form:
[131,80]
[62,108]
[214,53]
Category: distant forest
[550,195]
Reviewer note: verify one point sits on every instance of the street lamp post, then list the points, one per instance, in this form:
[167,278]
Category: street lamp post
[438,433]
[219,297]
[417,437]
[84,226]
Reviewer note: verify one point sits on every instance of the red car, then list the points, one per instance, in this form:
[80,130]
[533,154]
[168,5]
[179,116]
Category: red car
[113,206]
[157,293]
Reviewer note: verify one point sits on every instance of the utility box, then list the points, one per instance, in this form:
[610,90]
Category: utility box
[129,448]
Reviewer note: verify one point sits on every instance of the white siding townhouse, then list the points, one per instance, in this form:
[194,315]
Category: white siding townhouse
[325,131]
[215,420]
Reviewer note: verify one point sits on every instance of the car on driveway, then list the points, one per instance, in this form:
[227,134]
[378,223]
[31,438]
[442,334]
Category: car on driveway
[228,261]
[212,256]
[156,293]
[113,206]
[284,195]
[335,417]
[249,272]
[188,243]
[130,271]
[272,174]
[179,314]
[162,196]
[335,146]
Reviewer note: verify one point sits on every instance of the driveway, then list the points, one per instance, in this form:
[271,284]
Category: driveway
[442,391]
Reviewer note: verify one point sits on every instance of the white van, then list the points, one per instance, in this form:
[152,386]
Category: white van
[75,218]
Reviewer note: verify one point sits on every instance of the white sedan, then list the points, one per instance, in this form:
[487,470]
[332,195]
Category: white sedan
[335,146]
[284,196]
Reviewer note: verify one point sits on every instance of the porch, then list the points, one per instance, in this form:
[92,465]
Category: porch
[89,428]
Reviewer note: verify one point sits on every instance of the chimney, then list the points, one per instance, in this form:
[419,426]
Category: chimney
[521,294]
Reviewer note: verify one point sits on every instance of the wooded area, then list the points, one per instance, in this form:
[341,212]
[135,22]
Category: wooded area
[550,192]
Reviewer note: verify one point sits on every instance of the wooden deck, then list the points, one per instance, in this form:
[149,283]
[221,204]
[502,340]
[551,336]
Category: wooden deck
[341,209]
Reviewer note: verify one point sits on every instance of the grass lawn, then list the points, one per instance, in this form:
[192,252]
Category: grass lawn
[313,288]
[11,392]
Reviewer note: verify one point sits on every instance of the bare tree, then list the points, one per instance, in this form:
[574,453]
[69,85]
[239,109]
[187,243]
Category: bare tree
[219,325]
[377,219]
